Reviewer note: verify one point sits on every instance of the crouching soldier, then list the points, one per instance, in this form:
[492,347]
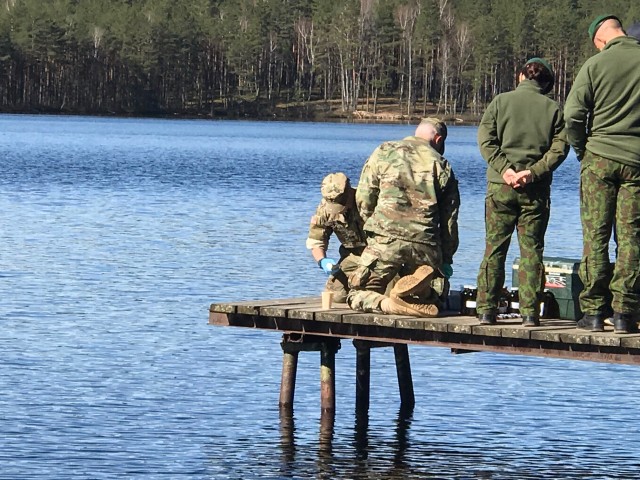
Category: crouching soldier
[337,214]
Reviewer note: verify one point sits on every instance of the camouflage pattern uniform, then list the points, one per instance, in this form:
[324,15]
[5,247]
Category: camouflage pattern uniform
[521,130]
[408,197]
[603,126]
[342,220]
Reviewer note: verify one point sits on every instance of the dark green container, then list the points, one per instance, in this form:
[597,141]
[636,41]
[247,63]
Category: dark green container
[563,281]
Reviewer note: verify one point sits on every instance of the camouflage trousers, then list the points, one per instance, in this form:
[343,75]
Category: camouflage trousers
[338,283]
[609,197]
[382,259]
[525,210]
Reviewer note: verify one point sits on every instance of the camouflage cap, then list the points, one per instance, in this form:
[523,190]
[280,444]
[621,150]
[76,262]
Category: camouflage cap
[333,187]
[598,21]
[439,125]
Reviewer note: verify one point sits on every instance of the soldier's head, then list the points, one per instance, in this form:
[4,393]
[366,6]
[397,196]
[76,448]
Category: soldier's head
[434,131]
[540,71]
[605,28]
[336,192]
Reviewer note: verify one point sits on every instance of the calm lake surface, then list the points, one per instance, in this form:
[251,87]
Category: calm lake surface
[117,234]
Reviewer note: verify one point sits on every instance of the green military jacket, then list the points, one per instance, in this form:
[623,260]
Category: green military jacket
[603,107]
[522,130]
[347,226]
[408,191]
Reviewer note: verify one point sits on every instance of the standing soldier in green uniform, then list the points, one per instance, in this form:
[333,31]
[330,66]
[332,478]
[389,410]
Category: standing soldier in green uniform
[408,197]
[521,138]
[336,213]
[603,126]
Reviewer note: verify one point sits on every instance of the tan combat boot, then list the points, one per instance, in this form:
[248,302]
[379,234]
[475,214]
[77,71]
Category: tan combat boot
[417,282]
[427,310]
[397,306]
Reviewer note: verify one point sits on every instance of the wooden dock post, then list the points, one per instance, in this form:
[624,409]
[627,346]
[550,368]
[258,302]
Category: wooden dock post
[289,372]
[328,350]
[405,382]
[363,374]
[292,345]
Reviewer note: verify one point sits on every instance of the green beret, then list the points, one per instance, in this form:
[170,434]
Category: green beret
[595,25]
[542,62]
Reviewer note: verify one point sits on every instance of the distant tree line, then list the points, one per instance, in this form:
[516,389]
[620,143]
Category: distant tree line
[212,56]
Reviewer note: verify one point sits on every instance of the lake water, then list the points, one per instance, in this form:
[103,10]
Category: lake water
[117,234]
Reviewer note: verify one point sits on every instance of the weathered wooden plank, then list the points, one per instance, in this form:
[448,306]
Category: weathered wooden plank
[333,315]
[551,329]
[629,341]
[282,310]
[489,330]
[304,312]
[436,324]
[410,323]
[373,319]
[222,308]
[252,307]
[516,331]
[575,336]
[606,339]
[463,325]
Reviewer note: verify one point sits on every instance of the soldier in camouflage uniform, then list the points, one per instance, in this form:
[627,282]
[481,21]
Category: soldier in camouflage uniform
[336,214]
[521,138]
[408,197]
[603,126]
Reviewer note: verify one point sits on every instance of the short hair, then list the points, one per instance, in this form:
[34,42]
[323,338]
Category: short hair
[439,125]
[539,73]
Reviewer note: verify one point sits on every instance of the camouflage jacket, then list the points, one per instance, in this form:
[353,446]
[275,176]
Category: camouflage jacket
[408,191]
[346,225]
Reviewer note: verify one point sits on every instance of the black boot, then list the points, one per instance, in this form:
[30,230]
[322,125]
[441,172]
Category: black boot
[624,323]
[487,319]
[593,323]
[530,321]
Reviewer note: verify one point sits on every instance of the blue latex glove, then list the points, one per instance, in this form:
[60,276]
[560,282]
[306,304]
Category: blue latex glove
[447,270]
[328,265]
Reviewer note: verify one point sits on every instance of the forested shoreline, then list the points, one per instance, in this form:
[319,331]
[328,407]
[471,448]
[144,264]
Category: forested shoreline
[284,58]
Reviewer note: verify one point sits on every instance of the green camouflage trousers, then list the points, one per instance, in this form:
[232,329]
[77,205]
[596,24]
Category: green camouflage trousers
[525,210]
[382,259]
[609,196]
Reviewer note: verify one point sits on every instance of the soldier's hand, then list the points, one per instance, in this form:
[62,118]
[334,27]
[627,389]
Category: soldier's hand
[509,176]
[523,178]
[328,265]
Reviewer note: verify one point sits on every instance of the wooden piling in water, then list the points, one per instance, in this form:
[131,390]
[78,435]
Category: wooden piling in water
[328,375]
[289,373]
[405,382]
[292,345]
[363,374]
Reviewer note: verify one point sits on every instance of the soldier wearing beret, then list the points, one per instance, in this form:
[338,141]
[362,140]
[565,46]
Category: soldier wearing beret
[521,138]
[602,116]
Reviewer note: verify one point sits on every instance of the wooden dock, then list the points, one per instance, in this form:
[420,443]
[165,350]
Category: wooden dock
[307,327]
